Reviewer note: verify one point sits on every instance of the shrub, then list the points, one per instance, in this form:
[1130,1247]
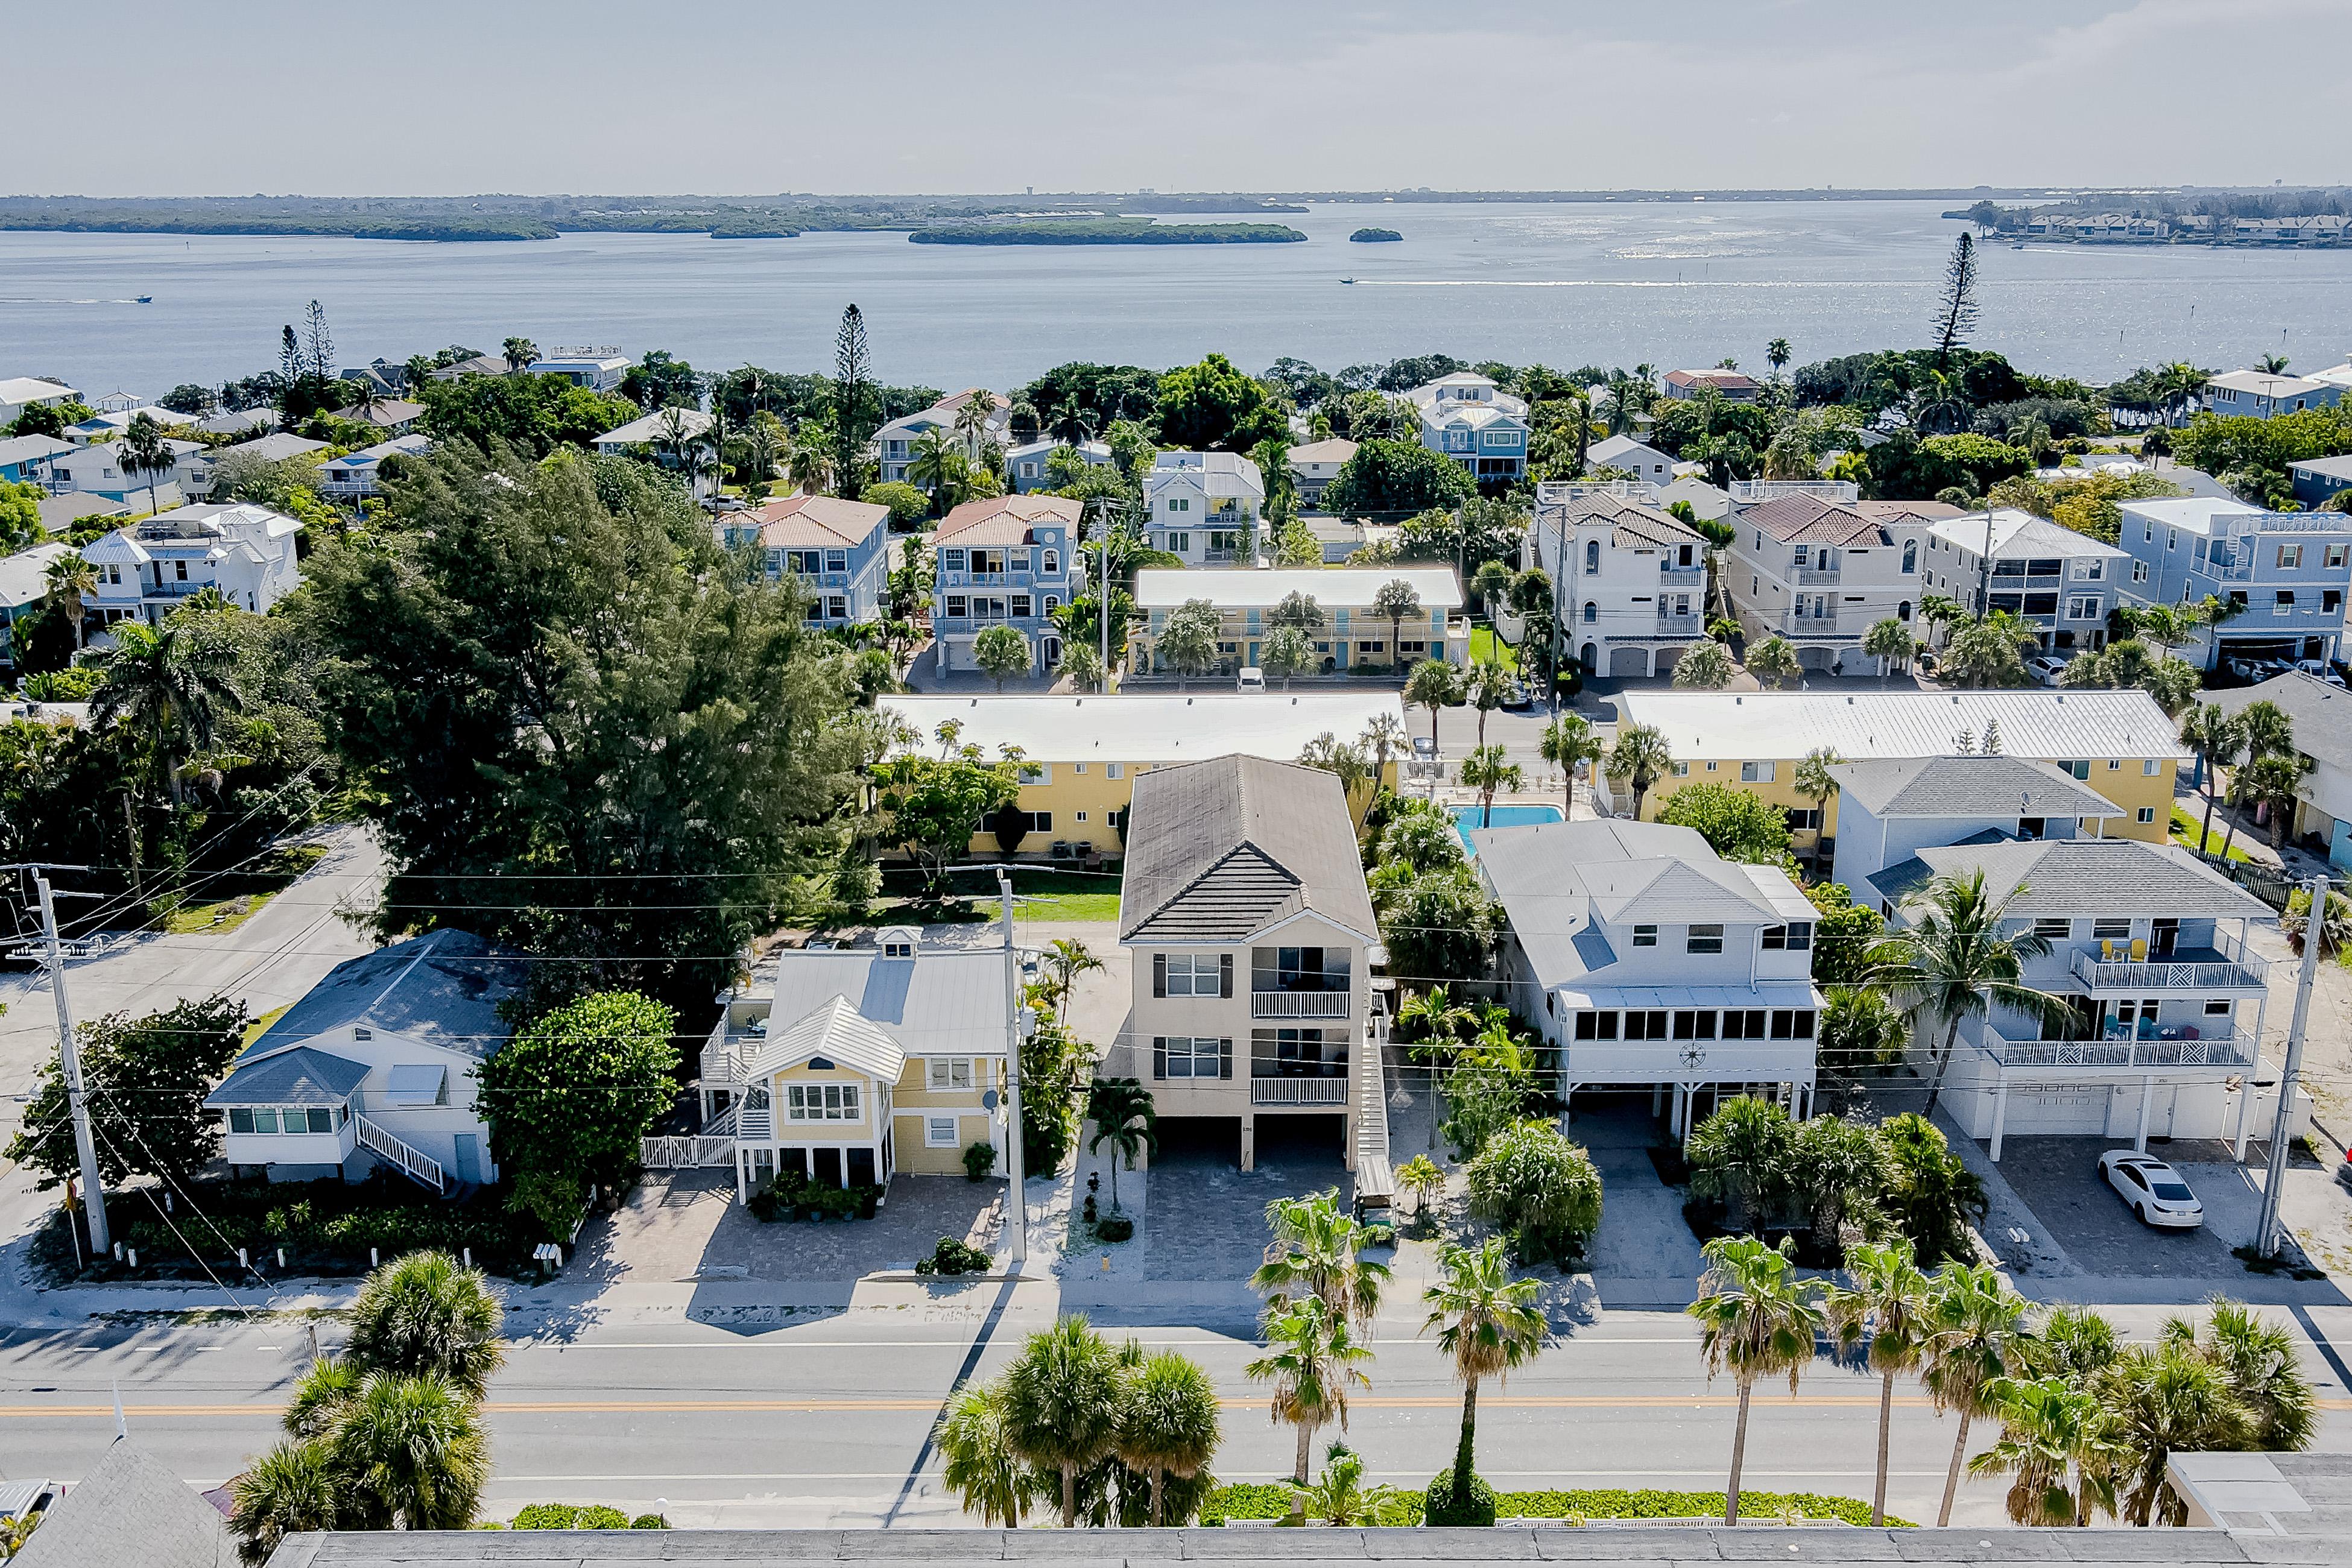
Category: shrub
[1115,1227]
[908,506]
[979,1160]
[952,1256]
[1442,1506]
[1539,1186]
[1256,1501]
[649,1521]
[572,1516]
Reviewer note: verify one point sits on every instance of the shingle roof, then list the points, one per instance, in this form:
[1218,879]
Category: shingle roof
[130,1513]
[819,521]
[301,1075]
[442,988]
[2078,877]
[2321,730]
[1006,520]
[1972,786]
[834,1032]
[654,426]
[1219,850]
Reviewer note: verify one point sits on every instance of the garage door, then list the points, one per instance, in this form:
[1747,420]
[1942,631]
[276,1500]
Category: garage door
[1629,661]
[2056,1110]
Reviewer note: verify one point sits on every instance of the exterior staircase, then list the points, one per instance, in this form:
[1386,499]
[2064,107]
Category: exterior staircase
[406,1158]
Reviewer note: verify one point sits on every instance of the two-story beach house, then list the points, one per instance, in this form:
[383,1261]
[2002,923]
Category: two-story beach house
[1252,939]
[1004,561]
[2259,394]
[1820,569]
[18,392]
[897,444]
[1641,460]
[861,1064]
[1471,420]
[838,550]
[2322,715]
[679,440]
[147,568]
[598,370]
[98,470]
[2286,570]
[2060,581]
[1629,581]
[1315,464]
[1204,507]
[1890,808]
[359,475]
[25,459]
[1685,385]
[1353,635]
[1031,467]
[1649,962]
[376,1067]
[2163,996]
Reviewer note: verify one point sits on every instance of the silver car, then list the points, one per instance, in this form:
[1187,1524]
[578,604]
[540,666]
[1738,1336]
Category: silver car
[2152,1189]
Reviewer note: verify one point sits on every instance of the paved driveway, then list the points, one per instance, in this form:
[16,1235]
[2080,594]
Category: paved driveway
[2059,1179]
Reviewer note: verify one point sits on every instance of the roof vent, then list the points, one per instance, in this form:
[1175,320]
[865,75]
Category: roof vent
[1738,700]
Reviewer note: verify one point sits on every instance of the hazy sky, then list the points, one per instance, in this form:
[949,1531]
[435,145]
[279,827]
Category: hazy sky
[737,96]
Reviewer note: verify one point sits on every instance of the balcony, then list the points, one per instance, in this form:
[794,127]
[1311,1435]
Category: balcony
[1819,576]
[1298,1090]
[178,589]
[1674,625]
[1301,1004]
[2225,968]
[2123,1053]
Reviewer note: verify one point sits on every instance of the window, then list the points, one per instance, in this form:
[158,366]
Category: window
[2336,554]
[1179,503]
[1803,819]
[2052,930]
[836,560]
[1113,770]
[943,1073]
[2083,607]
[289,1119]
[1593,558]
[988,562]
[1372,647]
[1645,936]
[1804,556]
[2146,814]
[1650,1026]
[1694,1026]
[1591,612]
[1082,817]
[1021,607]
[1747,1024]
[1682,770]
[2114,764]
[2092,570]
[1181,1055]
[2111,927]
[1596,1026]
[180,570]
[2139,570]
[2285,604]
[2217,1007]
[1792,1024]
[1910,556]
[1298,1053]
[1036,773]
[1704,938]
[897,947]
[1299,969]
[2330,600]
[837,606]
[951,560]
[1756,773]
[2147,769]
[2080,769]
[1051,562]
[958,607]
[2290,557]
[1190,973]
[1040,821]
[939,1132]
[1181,542]
[821,1102]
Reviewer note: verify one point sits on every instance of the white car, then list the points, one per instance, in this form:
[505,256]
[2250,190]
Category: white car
[1252,679]
[2153,1190]
[2045,669]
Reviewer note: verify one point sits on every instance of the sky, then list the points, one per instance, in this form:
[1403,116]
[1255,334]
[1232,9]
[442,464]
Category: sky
[746,96]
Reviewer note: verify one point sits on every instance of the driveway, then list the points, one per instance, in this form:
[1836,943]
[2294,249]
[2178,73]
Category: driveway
[2059,1179]
[1644,1254]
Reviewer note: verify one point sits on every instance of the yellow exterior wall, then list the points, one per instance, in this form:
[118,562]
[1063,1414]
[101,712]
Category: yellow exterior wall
[2127,786]
[912,1103]
[788,1131]
[1068,792]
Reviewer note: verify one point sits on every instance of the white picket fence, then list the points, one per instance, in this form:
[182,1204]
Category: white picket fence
[694,1150]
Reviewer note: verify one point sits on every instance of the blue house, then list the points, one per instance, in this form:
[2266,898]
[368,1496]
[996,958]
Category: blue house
[25,459]
[1466,417]
[1005,560]
[2286,570]
[2318,481]
[838,549]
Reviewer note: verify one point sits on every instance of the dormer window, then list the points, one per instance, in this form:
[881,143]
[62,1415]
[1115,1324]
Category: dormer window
[897,942]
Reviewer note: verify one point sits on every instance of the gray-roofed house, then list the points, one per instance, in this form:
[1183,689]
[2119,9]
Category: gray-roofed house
[1245,910]
[2323,737]
[1892,807]
[1659,965]
[23,583]
[860,1064]
[375,1066]
[2162,994]
[130,1510]
[62,513]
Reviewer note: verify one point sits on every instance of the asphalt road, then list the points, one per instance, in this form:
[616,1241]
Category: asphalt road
[826,1422]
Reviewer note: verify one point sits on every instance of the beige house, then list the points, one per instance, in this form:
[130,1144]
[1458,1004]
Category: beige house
[1253,937]
[862,1064]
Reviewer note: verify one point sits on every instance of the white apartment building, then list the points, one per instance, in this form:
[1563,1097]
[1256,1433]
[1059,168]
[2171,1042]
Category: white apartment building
[1821,571]
[1629,581]
[1203,506]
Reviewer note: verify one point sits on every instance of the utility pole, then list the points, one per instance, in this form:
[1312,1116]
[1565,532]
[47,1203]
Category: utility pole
[1016,1201]
[1984,567]
[2266,1234]
[70,1059]
[1102,597]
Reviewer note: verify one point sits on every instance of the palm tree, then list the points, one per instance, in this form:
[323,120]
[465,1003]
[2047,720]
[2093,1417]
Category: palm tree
[293,1488]
[1976,1338]
[1313,1359]
[70,582]
[1487,770]
[1889,642]
[2264,1372]
[1774,660]
[413,1453]
[424,1315]
[1488,684]
[1939,612]
[1061,1404]
[1317,1253]
[1816,782]
[1777,353]
[1395,602]
[1433,684]
[1986,651]
[1567,744]
[1340,1497]
[971,420]
[1757,1320]
[1740,1155]
[2217,736]
[2166,1399]
[1488,1325]
[1066,958]
[1889,1304]
[520,352]
[1957,959]
[2269,733]
[1639,758]
[2048,1426]
[1704,666]
[320,1395]
[143,450]
[764,446]
[981,1466]
[1383,737]
[1420,1180]
[2273,785]
[1121,1110]
[940,468]
[809,464]
[170,683]
[1171,1426]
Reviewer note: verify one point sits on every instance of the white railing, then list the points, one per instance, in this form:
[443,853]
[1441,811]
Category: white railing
[2230,1050]
[687,1153]
[414,1162]
[1298,1092]
[723,1124]
[756,1124]
[1300,1003]
[2167,973]
[1375,1177]
[1819,576]
[722,1066]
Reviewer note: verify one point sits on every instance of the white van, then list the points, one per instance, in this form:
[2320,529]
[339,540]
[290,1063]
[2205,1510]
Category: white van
[1252,679]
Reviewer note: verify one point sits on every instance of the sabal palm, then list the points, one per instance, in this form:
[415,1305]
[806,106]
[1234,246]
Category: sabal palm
[1774,660]
[1757,1320]
[70,582]
[1121,1110]
[971,420]
[1740,1155]
[1568,742]
[980,1465]
[413,1453]
[1384,738]
[2049,1428]
[1062,1400]
[1171,1424]
[170,683]
[1957,959]
[1639,758]
[428,1315]
[1817,784]
[809,463]
[1487,1325]
[144,450]
[1488,684]
[1318,1252]
[2166,1399]
[1338,1497]
[1487,770]
[935,462]
[294,1488]
[2217,736]
[1433,684]
[1976,1338]
[1313,1361]
[2265,1372]
[1890,1303]
[1067,957]
[1891,643]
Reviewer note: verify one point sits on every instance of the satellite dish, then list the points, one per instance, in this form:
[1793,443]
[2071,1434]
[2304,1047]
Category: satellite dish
[988,1101]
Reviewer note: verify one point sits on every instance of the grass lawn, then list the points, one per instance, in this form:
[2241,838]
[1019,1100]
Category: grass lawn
[2185,828]
[233,899]
[1485,646]
[1039,895]
[254,1030]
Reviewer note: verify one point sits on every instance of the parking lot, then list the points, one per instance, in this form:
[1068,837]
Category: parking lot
[2059,1179]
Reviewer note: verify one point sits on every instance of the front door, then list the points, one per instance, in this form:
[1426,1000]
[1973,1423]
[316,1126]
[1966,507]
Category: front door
[469,1159]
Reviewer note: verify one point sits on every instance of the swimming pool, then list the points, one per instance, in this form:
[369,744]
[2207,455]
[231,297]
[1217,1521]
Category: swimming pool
[1466,817]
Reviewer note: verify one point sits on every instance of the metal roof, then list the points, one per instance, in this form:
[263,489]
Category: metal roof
[1218,850]
[1151,728]
[299,1076]
[834,1032]
[2019,534]
[941,1002]
[1969,786]
[1333,587]
[1753,726]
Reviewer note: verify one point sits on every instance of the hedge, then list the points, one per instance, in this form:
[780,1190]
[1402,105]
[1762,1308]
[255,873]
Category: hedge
[1252,1500]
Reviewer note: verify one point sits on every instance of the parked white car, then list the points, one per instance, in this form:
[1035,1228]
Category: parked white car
[2045,669]
[1251,678]
[2152,1189]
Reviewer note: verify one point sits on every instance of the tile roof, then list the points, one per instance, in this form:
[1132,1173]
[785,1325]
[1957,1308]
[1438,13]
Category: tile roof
[1219,850]
[1637,523]
[1729,380]
[2088,875]
[1752,726]
[819,521]
[1969,785]
[1810,520]
[1006,520]
[301,1075]
[442,988]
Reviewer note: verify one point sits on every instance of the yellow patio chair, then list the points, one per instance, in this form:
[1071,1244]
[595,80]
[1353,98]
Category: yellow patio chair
[2139,949]
[2107,949]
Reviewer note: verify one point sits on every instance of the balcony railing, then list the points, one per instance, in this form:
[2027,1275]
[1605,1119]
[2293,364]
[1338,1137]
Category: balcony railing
[2123,1053]
[1301,1004]
[2189,969]
[1298,1090]
[1674,625]
[1819,576]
